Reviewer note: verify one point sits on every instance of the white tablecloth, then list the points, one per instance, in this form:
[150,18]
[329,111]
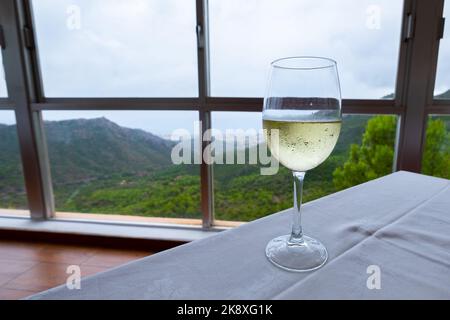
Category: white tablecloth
[399,223]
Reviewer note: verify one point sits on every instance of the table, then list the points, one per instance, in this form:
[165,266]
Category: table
[399,223]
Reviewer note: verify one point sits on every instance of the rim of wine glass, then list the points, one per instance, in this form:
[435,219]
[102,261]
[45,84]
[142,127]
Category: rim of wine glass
[332,63]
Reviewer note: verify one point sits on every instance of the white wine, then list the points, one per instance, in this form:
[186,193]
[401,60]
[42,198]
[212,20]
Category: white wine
[302,145]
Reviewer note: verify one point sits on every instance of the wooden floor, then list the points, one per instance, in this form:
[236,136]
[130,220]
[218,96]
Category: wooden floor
[28,268]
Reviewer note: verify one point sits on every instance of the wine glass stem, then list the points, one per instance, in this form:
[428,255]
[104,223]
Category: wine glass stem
[297,232]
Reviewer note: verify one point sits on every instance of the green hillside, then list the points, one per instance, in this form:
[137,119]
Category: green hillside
[83,150]
[12,192]
[241,193]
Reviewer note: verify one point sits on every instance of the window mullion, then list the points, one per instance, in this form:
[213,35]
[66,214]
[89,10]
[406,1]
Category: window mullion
[23,85]
[416,82]
[206,171]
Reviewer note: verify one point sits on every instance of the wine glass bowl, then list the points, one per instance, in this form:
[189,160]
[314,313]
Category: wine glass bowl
[302,121]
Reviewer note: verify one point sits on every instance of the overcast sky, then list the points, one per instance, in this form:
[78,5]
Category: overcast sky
[147,48]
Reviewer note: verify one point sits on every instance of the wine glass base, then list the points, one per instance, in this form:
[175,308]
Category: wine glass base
[308,256]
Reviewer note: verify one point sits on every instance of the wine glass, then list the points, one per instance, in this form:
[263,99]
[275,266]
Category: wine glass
[302,120]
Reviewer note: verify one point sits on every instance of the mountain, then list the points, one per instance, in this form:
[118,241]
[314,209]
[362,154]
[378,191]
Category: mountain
[84,149]
[445,95]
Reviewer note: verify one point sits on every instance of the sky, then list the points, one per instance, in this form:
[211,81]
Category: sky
[443,72]
[147,48]
[2,79]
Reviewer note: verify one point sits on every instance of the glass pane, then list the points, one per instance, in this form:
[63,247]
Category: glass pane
[12,187]
[119,162]
[442,86]
[97,48]
[436,155]
[362,36]
[241,193]
[3,91]
[365,151]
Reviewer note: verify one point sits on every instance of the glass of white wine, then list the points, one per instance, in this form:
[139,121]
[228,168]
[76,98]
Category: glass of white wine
[302,120]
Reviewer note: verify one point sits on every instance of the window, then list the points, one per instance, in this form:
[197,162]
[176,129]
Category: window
[12,188]
[365,151]
[442,86]
[117,48]
[241,193]
[3,91]
[119,162]
[362,36]
[436,154]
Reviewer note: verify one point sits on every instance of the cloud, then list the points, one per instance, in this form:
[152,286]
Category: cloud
[3,92]
[247,36]
[148,48]
[131,48]
[7,117]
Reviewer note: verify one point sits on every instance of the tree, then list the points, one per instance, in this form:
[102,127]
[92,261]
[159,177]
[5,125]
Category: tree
[436,156]
[373,158]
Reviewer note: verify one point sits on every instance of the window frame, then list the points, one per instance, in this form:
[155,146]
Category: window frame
[419,26]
